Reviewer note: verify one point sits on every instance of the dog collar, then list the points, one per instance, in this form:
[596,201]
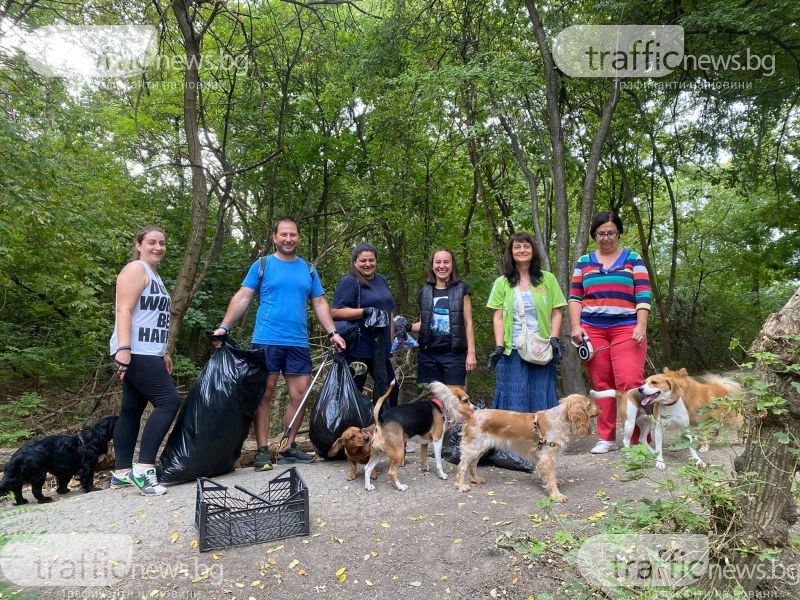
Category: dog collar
[674,402]
[538,432]
[438,404]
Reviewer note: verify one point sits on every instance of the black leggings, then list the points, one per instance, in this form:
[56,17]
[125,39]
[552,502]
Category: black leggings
[145,380]
[362,379]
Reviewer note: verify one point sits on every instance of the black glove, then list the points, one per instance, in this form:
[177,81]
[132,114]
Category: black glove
[376,317]
[401,328]
[494,357]
[215,338]
[556,344]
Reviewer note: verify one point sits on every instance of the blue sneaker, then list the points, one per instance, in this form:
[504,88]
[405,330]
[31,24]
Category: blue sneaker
[119,480]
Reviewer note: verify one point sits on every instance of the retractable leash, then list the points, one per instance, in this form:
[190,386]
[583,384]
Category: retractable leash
[114,376]
[285,438]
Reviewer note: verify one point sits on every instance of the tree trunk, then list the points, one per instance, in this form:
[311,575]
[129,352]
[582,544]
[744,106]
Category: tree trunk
[182,294]
[765,504]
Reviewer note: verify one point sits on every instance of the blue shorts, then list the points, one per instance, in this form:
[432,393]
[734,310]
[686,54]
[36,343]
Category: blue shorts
[289,360]
[449,367]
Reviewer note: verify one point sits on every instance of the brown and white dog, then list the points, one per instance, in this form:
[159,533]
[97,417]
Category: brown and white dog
[677,399]
[631,412]
[423,422]
[357,444]
[540,436]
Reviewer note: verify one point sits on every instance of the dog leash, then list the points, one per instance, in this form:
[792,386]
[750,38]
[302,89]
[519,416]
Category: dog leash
[114,376]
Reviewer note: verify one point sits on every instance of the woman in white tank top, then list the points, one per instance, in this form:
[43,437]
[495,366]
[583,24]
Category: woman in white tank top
[139,346]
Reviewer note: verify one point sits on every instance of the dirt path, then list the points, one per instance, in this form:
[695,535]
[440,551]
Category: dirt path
[427,542]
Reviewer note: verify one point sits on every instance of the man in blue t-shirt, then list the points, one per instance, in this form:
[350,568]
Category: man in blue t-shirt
[281,331]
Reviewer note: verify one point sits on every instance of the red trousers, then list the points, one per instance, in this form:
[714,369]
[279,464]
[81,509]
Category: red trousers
[620,367]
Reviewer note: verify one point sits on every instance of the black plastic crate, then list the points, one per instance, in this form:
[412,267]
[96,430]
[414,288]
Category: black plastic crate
[224,519]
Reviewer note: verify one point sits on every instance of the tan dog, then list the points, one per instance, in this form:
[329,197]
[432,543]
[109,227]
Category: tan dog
[677,399]
[357,444]
[423,422]
[540,436]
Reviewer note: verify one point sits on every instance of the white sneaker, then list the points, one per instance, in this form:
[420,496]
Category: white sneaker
[145,480]
[603,446]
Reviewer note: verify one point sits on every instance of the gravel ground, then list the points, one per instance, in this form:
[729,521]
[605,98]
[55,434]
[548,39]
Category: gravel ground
[427,542]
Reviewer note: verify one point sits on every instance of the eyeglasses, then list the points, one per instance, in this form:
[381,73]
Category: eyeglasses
[606,234]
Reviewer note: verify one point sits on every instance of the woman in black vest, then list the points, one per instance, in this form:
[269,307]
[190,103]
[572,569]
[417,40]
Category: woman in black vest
[446,337]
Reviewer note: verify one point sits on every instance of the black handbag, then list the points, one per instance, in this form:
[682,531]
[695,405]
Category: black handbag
[350,331]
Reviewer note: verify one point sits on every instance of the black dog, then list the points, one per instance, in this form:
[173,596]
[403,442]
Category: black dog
[62,455]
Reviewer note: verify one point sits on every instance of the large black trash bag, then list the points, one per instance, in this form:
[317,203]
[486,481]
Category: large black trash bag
[508,460]
[451,451]
[340,405]
[215,419]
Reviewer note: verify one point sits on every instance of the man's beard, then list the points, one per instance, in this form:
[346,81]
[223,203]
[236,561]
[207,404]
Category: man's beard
[291,252]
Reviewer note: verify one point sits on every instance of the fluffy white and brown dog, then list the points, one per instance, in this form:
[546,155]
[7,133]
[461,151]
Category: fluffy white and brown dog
[677,400]
[540,436]
[423,422]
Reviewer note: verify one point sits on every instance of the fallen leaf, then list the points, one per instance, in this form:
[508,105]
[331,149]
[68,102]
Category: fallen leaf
[490,493]
[173,538]
[342,577]
[368,582]
[596,516]
[457,541]
[276,548]
[216,556]
[415,583]
[239,585]
[301,572]
[373,554]
[293,564]
[340,571]
[366,557]
[154,593]
[417,518]
[514,580]
[255,583]
[444,577]
[196,579]
[335,539]
[385,524]
[194,544]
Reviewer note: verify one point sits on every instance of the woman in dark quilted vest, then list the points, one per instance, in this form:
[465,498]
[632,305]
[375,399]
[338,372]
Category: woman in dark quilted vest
[446,336]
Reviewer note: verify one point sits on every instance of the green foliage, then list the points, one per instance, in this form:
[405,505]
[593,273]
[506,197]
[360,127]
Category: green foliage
[13,416]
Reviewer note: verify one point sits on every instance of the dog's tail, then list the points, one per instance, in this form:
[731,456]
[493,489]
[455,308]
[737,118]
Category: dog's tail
[377,410]
[733,386]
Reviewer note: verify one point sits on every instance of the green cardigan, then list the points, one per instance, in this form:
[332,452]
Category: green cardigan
[546,296]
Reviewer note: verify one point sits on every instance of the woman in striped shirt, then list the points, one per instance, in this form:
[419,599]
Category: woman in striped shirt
[609,303]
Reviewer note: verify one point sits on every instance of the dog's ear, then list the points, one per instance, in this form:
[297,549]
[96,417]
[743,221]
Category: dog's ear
[336,448]
[578,415]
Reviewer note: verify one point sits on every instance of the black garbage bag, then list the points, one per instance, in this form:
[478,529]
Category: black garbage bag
[451,448]
[215,419]
[340,405]
[508,460]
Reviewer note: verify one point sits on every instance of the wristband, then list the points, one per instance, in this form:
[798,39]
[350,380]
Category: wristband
[332,333]
[225,327]
[122,348]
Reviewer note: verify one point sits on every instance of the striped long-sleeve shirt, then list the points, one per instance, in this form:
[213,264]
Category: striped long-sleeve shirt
[610,297]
